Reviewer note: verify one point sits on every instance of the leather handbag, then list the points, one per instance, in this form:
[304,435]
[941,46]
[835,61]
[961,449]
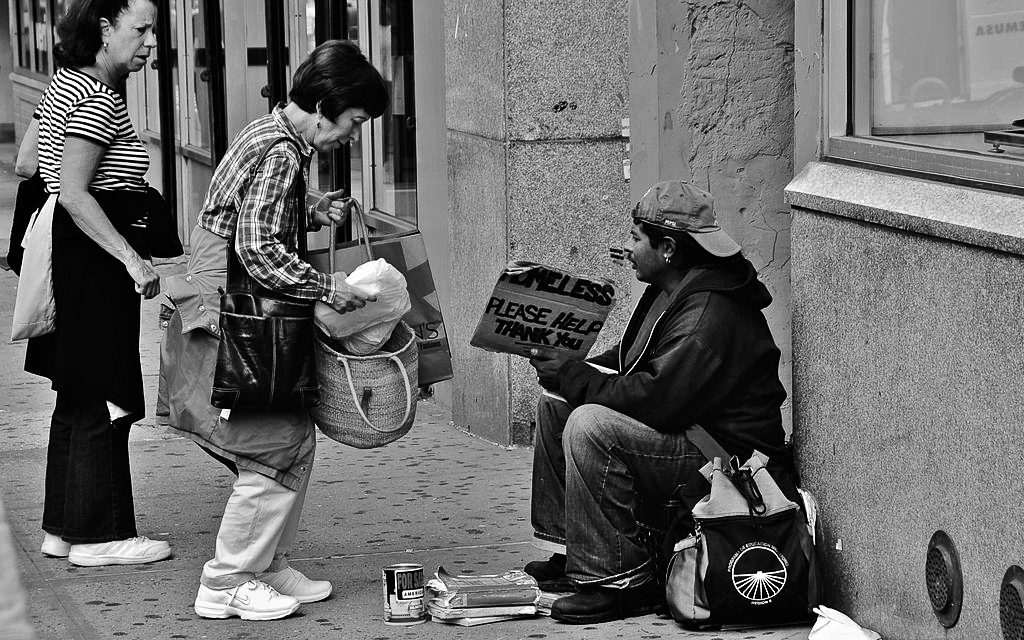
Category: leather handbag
[265,356]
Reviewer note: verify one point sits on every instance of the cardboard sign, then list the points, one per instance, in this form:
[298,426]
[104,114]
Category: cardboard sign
[534,305]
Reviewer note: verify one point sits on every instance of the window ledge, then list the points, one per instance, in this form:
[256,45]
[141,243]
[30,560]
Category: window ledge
[986,219]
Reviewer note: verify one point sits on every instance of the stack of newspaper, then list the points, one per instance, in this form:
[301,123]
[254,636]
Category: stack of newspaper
[547,598]
[469,600]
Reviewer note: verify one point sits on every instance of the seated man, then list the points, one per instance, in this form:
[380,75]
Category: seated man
[697,349]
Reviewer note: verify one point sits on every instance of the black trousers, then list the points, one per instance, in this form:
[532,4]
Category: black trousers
[88,477]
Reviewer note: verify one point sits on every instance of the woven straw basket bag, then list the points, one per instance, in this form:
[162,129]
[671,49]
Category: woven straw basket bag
[368,401]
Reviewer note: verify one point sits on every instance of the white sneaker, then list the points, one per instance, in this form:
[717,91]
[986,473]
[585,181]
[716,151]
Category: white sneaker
[291,582]
[140,550]
[54,546]
[254,600]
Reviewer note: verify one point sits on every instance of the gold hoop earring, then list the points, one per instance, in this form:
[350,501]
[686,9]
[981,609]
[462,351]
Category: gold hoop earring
[106,45]
[667,260]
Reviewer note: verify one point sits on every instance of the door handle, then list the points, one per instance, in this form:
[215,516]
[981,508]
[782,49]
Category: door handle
[265,91]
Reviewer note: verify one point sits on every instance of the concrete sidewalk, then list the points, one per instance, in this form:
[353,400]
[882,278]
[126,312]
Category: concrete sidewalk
[437,497]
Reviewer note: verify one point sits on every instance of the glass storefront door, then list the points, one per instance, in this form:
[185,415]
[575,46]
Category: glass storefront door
[388,40]
[231,59]
[195,116]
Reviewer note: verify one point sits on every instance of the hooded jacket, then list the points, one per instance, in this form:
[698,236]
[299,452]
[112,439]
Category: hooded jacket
[710,360]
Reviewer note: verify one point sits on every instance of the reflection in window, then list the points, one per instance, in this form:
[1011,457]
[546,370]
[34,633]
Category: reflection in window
[331,23]
[23,27]
[34,24]
[42,33]
[199,79]
[943,71]
[151,112]
[394,134]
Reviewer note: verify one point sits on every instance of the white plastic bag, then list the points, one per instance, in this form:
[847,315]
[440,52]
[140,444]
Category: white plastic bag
[363,331]
[834,625]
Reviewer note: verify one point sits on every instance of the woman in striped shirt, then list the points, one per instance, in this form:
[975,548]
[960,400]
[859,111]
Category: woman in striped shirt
[93,164]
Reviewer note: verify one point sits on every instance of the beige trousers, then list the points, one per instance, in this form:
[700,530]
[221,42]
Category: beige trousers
[257,531]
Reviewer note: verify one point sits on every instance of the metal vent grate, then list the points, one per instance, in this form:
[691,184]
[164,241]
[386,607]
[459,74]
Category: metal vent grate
[940,583]
[943,579]
[1011,604]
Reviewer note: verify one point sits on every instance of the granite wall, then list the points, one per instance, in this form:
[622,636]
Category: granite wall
[536,95]
[737,107]
[907,326]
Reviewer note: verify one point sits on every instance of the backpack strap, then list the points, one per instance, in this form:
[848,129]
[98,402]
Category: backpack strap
[700,438]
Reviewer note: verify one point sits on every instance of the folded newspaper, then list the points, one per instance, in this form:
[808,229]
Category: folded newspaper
[469,600]
[547,598]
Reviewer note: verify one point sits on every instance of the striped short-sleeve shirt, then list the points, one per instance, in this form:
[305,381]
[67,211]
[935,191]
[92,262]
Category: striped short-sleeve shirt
[76,104]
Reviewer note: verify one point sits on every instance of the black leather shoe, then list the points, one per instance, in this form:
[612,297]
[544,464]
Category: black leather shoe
[600,604]
[552,569]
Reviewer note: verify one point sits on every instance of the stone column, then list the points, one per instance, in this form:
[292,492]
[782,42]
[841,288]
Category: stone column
[536,95]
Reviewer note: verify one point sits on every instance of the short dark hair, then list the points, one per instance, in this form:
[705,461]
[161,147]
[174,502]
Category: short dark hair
[338,76]
[689,251]
[79,30]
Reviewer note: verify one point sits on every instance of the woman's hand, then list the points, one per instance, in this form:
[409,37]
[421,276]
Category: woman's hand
[333,207]
[347,297]
[147,281]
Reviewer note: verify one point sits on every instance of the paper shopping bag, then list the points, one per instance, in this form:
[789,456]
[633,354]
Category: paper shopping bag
[35,312]
[407,253]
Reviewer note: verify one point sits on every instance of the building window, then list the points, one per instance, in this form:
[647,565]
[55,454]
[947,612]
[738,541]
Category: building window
[35,32]
[383,172]
[394,134]
[934,87]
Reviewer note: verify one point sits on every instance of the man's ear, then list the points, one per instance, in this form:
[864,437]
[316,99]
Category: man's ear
[669,247]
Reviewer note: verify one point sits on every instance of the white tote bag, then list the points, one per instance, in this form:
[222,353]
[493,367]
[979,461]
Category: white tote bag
[34,309]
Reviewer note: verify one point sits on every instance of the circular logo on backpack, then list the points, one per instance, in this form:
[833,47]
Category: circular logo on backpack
[758,572]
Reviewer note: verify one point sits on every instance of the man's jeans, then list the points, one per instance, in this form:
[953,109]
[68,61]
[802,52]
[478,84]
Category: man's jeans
[591,467]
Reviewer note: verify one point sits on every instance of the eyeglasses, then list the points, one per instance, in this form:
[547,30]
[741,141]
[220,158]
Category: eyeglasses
[619,254]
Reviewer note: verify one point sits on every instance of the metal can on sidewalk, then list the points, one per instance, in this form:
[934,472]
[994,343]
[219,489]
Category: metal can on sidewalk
[403,594]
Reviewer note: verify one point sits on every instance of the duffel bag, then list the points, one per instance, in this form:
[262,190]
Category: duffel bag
[749,559]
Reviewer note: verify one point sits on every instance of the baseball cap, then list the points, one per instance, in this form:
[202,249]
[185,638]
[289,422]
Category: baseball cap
[680,206]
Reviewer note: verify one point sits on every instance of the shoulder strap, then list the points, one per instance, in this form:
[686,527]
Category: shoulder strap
[238,279]
[266,150]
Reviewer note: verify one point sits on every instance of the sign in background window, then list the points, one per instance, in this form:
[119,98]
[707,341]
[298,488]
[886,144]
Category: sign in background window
[928,88]
[35,24]
[23,28]
[44,35]
[943,71]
